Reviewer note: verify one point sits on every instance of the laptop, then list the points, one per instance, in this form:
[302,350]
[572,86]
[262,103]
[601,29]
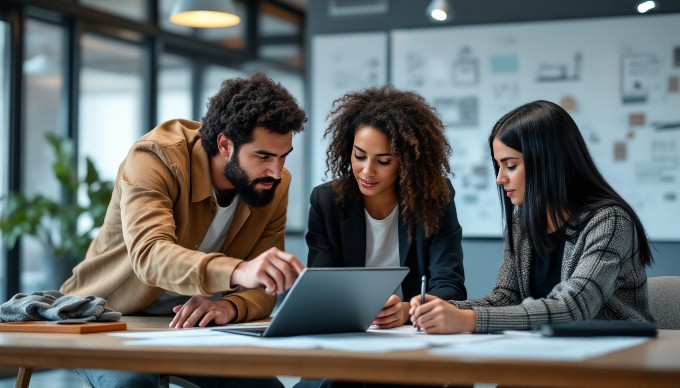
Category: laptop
[330,300]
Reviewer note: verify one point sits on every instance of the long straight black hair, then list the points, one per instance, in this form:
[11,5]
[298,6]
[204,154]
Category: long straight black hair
[561,177]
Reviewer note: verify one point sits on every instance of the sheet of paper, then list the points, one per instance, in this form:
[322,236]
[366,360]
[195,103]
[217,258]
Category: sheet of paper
[223,340]
[162,334]
[540,348]
[367,342]
[353,342]
[374,340]
[436,339]
[515,345]
[191,332]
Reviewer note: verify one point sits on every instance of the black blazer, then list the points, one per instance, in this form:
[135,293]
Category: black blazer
[336,237]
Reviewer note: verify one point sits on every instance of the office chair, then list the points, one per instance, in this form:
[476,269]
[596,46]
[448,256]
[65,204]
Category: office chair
[663,301]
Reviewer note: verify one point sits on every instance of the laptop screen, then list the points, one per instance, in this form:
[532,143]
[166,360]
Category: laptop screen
[331,300]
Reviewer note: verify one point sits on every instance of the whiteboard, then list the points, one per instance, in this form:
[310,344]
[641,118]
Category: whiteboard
[617,77]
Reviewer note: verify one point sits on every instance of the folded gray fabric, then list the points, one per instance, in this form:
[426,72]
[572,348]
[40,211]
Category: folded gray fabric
[55,306]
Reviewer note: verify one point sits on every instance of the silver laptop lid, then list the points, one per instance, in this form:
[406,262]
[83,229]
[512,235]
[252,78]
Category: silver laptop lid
[334,300]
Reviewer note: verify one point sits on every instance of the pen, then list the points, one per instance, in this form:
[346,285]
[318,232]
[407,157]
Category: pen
[422,292]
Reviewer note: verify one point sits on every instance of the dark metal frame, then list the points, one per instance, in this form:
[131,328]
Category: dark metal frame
[15,18]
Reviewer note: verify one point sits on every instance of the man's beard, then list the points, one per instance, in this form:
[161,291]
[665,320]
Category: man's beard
[245,187]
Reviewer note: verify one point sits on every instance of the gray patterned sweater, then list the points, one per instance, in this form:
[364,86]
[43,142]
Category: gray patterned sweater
[603,277]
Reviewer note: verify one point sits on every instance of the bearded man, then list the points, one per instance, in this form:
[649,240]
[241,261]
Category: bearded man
[195,226]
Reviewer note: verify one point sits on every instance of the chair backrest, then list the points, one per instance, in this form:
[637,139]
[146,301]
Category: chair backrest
[664,301]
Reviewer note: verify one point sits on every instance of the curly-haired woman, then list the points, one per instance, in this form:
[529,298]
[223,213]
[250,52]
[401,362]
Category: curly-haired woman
[390,203]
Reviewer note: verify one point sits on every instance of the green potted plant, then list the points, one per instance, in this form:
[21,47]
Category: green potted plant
[55,222]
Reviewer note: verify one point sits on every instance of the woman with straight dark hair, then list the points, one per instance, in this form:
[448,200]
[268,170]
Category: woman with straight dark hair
[574,249]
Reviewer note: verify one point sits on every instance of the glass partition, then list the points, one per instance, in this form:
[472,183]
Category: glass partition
[280,27]
[110,93]
[110,103]
[42,68]
[174,88]
[4,138]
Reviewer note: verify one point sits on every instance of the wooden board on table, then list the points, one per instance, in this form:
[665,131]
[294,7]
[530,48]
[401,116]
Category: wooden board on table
[53,327]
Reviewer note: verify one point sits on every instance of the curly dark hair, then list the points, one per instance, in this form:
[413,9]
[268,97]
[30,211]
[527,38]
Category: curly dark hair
[417,140]
[242,104]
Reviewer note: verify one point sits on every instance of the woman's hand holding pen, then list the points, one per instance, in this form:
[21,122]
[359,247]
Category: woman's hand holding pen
[438,316]
[393,314]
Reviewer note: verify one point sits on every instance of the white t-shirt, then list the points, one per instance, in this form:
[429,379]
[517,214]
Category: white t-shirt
[214,238]
[382,242]
[212,242]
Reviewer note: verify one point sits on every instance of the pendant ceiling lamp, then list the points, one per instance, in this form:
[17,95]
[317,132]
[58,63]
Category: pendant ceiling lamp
[204,13]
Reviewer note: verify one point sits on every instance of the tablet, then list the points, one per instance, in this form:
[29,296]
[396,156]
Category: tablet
[331,300]
[598,328]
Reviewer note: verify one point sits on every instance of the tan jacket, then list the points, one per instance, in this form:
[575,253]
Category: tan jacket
[162,207]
